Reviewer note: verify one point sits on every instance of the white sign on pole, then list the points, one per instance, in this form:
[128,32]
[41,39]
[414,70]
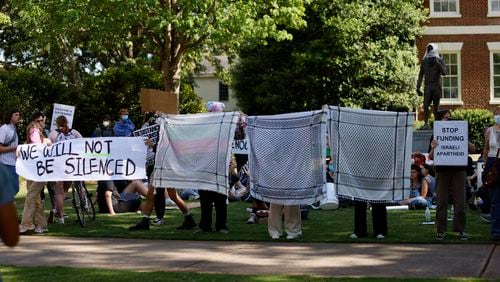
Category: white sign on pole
[62,110]
[452,138]
[103,158]
[240,146]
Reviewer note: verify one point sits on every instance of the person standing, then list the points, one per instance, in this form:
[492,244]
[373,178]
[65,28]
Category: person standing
[432,68]
[104,129]
[491,146]
[62,133]
[379,219]
[450,181]
[8,143]
[124,127]
[33,207]
[9,230]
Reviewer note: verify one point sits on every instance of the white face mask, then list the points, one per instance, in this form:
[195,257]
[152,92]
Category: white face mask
[497,119]
[105,123]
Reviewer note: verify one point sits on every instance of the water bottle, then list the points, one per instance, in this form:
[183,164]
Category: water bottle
[427,214]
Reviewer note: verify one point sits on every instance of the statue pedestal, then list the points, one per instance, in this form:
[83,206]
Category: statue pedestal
[421,140]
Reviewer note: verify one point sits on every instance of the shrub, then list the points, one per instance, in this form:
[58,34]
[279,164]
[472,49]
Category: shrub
[479,120]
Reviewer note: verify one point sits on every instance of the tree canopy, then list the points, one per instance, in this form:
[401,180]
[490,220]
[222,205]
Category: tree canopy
[77,36]
[357,53]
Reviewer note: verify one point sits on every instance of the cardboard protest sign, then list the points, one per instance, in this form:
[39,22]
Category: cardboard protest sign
[104,158]
[62,110]
[452,138]
[153,133]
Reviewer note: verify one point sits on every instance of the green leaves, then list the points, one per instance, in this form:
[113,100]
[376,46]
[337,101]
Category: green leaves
[354,53]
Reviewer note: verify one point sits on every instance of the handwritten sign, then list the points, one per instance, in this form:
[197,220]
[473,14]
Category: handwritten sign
[153,133]
[62,110]
[452,138]
[240,146]
[104,158]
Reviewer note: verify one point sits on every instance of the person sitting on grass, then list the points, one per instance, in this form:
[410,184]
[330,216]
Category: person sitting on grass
[114,199]
[418,187]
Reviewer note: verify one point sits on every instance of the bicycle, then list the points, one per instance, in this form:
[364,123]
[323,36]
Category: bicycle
[82,203]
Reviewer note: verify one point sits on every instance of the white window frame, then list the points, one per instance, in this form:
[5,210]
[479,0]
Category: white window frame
[455,48]
[492,13]
[494,47]
[455,14]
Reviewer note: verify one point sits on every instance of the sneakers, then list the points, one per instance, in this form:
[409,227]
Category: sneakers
[292,236]
[188,223]
[158,221]
[252,219]
[59,220]
[380,236]
[224,231]
[40,230]
[486,217]
[353,236]
[24,229]
[142,225]
[463,236]
[440,236]
[275,236]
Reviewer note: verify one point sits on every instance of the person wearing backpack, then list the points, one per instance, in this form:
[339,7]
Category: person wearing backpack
[8,143]
[62,133]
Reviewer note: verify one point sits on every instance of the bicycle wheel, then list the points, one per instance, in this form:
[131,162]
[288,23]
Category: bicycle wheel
[77,203]
[88,206]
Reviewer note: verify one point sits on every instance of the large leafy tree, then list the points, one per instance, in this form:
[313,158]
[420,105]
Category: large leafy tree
[357,53]
[78,37]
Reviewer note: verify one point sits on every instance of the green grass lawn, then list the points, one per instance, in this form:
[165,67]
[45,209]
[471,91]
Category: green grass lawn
[322,226]
[41,274]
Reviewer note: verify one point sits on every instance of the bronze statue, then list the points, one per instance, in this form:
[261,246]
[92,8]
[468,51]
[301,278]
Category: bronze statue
[431,69]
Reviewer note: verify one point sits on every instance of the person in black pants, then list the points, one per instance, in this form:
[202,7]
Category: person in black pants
[379,219]
[207,200]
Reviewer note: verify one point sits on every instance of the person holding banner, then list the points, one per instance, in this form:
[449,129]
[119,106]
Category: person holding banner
[450,178]
[61,133]
[491,147]
[8,143]
[33,207]
[155,196]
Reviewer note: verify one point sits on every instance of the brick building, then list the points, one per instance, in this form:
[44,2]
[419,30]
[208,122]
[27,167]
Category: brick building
[468,35]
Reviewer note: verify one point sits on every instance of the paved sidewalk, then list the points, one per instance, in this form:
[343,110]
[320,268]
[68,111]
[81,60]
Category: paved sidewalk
[290,258]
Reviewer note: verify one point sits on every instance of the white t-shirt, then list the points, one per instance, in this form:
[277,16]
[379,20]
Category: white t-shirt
[8,136]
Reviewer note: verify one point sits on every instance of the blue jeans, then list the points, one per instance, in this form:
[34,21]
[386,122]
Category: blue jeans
[15,177]
[419,203]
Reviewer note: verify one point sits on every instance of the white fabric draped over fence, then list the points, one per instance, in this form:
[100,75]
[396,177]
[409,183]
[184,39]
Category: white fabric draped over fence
[194,151]
[372,153]
[287,157]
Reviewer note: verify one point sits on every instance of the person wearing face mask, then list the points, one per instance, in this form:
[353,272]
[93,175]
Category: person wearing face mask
[491,146]
[450,181]
[124,127]
[104,129]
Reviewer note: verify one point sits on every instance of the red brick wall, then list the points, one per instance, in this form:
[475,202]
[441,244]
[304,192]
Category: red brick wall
[475,66]
[474,12]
